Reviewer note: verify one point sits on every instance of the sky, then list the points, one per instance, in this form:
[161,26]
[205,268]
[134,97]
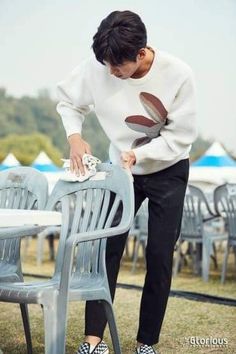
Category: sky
[42,41]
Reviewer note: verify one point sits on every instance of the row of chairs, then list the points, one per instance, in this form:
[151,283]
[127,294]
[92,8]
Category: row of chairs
[200,223]
[91,211]
[203,225]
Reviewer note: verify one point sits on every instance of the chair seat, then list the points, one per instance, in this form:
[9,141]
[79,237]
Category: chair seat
[88,288]
[35,292]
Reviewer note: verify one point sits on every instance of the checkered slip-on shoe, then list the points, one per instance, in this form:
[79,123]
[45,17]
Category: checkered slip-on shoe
[145,349]
[101,348]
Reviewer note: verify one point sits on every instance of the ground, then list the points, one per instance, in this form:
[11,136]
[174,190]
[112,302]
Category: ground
[187,323]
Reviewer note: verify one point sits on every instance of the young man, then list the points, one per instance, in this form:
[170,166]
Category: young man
[144,100]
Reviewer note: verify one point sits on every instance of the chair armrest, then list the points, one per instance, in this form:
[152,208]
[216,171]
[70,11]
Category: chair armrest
[19,232]
[95,235]
[71,243]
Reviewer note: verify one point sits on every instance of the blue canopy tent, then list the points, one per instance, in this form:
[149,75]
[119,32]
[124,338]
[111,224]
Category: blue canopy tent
[215,156]
[44,164]
[215,166]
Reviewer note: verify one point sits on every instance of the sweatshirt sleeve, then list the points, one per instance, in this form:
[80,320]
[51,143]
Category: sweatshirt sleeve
[179,133]
[75,97]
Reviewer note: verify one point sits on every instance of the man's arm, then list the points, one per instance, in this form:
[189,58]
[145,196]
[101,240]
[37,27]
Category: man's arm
[75,97]
[78,147]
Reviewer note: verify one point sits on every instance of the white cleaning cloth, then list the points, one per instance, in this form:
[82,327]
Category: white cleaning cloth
[89,161]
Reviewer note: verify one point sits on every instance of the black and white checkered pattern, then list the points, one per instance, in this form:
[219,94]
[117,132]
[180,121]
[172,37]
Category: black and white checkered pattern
[83,348]
[101,348]
[145,349]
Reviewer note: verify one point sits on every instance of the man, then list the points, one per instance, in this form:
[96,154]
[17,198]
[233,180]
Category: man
[144,100]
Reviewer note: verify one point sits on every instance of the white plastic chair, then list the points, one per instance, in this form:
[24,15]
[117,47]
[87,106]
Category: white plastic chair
[91,211]
[225,205]
[196,228]
[20,188]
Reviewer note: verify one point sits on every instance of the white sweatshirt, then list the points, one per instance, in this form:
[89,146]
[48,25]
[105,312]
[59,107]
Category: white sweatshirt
[154,115]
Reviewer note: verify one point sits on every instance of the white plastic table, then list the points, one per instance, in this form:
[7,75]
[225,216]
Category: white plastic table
[18,221]
[19,217]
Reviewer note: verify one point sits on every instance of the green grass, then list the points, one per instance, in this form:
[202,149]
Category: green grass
[184,318]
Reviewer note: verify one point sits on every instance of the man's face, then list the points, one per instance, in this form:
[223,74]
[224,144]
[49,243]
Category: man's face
[125,70]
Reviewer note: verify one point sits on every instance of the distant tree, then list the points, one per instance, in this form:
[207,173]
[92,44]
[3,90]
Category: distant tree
[94,134]
[32,115]
[27,147]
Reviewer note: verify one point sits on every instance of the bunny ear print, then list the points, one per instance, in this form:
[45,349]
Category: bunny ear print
[144,125]
[154,107]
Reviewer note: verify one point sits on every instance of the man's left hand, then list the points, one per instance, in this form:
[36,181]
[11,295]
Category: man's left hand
[128,159]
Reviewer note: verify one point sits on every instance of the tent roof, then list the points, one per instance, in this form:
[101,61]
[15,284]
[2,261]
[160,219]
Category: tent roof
[9,161]
[42,159]
[215,156]
[44,163]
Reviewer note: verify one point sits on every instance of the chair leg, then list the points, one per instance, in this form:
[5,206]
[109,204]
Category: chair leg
[54,329]
[25,319]
[214,256]
[144,244]
[25,248]
[127,246]
[206,251]
[40,240]
[234,249]
[135,255]
[177,259]
[112,326]
[51,246]
[224,267]
[198,257]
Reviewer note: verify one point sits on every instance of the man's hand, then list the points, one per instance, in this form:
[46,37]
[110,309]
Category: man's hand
[128,159]
[78,147]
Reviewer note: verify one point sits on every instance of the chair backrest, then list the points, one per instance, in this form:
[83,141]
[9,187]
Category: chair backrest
[225,205]
[195,207]
[88,206]
[23,188]
[20,188]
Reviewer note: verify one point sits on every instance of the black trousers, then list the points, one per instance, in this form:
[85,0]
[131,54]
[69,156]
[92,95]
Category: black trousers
[165,191]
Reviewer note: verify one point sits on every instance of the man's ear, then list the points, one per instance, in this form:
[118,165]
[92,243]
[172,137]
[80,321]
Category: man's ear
[141,54]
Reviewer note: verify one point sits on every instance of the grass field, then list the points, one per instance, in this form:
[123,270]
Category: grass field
[184,321]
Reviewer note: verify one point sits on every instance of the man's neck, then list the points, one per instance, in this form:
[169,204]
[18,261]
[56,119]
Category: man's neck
[145,66]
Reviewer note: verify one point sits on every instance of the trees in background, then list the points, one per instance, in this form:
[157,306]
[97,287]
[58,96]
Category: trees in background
[27,147]
[31,124]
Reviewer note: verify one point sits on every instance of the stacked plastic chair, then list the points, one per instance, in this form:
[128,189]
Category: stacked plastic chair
[225,205]
[196,229]
[20,188]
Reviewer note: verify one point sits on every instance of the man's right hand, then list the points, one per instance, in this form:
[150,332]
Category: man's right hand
[78,147]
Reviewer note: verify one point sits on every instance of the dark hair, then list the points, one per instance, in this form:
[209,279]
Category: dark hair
[119,37]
